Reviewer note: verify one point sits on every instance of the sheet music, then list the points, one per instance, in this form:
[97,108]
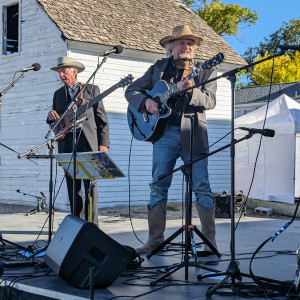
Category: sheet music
[90,165]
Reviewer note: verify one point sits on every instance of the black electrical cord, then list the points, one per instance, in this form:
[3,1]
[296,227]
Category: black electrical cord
[281,287]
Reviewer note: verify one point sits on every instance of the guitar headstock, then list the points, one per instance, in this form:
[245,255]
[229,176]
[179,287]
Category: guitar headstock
[213,62]
[125,81]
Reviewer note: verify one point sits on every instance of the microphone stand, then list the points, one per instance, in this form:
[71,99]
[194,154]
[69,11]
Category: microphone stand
[232,271]
[12,84]
[18,153]
[73,106]
[28,154]
[2,240]
[188,228]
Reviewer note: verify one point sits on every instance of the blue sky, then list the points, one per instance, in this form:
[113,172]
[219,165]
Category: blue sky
[271,14]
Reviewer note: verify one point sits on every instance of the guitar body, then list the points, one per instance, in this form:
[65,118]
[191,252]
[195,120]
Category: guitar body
[66,123]
[145,126]
[64,126]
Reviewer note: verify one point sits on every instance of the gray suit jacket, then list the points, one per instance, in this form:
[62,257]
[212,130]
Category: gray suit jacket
[203,98]
[95,128]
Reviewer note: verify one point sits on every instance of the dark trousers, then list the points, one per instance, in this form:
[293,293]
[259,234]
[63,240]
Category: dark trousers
[82,208]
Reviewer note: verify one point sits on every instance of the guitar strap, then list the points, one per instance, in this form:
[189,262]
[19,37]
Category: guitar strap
[81,99]
[187,70]
[80,88]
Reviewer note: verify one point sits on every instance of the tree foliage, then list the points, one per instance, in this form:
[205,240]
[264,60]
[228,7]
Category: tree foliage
[288,33]
[286,69]
[224,19]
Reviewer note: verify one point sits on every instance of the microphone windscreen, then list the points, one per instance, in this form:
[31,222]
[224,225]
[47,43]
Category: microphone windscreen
[36,66]
[269,132]
[119,49]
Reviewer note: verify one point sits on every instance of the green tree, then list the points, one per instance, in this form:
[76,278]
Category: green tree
[288,33]
[285,67]
[224,19]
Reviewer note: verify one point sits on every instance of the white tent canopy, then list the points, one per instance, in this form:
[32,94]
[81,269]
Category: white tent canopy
[277,171]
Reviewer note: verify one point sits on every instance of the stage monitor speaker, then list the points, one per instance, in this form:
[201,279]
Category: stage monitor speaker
[79,245]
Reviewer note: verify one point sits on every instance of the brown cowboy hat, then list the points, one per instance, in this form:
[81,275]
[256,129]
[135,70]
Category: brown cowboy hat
[181,32]
[70,62]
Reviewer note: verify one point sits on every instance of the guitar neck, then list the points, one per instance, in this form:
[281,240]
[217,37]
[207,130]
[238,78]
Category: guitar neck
[95,100]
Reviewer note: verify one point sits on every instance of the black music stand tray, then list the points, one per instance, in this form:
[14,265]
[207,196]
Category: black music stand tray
[90,166]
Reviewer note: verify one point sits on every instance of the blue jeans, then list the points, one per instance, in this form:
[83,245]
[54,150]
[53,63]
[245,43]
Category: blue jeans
[165,153]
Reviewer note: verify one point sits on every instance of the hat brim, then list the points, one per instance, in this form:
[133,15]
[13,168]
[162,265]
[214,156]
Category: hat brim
[198,40]
[78,66]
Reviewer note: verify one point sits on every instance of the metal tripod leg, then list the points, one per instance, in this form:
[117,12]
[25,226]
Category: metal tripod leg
[3,242]
[167,241]
[152,283]
[209,293]
[206,241]
[232,273]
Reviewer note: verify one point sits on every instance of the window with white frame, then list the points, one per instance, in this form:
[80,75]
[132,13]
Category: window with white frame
[10,25]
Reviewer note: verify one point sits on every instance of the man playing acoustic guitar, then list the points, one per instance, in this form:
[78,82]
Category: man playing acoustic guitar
[92,136]
[175,140]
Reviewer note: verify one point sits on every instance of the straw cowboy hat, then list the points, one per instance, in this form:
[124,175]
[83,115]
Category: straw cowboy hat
[181,32]
[69,62]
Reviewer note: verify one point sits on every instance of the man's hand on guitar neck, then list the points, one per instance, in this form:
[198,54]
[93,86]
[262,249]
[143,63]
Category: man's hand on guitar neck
[152,107]
[53,116]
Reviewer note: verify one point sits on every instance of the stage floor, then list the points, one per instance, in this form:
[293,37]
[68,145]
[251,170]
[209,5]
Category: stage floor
[275,261]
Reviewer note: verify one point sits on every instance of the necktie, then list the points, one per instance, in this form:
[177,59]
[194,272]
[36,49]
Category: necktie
[71,90]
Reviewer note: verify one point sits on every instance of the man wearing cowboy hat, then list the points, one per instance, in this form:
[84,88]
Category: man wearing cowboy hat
[176,140]
[93,136]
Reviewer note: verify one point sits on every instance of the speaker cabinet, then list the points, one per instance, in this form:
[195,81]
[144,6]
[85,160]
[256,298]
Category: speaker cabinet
[79,245]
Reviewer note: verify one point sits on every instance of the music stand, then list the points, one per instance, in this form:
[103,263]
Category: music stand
[89,166]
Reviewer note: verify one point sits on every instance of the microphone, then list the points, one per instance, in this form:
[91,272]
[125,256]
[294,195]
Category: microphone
[289,47]
[34,67]
[116,49]
[264,132]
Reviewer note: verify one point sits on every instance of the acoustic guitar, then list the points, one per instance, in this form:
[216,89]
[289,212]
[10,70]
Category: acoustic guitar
[149,127]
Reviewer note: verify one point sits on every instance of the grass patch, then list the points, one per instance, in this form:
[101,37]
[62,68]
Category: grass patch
[172,208]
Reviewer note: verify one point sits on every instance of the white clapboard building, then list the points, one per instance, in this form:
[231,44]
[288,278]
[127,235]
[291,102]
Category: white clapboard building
[39,31]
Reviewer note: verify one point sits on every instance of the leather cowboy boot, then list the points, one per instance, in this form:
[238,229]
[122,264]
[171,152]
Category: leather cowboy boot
[157,226]
[207,219]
